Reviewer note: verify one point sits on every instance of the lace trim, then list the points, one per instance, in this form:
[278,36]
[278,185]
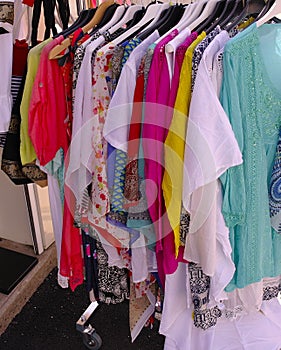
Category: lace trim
[270,291]
[62,281]
[220,61]
[144,215]
[234,313]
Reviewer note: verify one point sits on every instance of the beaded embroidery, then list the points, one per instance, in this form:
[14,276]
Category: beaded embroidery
[254,112]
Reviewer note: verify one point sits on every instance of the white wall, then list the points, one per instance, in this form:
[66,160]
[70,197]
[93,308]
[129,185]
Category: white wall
[14,218]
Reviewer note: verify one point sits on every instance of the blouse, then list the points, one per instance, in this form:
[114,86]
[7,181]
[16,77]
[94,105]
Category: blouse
[250,96]
[47,111]
[27,151]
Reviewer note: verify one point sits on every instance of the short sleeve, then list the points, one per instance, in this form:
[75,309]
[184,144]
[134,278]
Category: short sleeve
[211,147]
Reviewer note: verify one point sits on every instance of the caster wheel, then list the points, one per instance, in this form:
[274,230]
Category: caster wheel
[92,341]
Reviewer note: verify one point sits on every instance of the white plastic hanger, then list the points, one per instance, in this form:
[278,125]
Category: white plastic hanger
[164,7]
[115,18]
[129,14]
[196,9]
[274,11]
[151,12]
[207,11]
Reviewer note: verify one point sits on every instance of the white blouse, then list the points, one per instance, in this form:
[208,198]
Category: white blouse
[117,124]
[209,140]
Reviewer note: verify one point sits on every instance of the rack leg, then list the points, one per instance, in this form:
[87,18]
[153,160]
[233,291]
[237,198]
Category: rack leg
[91,339]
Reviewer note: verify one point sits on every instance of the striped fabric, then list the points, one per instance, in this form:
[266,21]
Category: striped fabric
[2,139]
[15,85]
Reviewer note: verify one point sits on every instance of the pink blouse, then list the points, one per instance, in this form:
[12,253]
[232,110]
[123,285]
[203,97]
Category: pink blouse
[47,110]
[155,129]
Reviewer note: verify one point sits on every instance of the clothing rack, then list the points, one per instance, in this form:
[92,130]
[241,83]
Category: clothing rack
[187,219]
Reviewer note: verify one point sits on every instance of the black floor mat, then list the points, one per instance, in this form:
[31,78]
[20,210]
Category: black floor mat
[47,322]
[13,267]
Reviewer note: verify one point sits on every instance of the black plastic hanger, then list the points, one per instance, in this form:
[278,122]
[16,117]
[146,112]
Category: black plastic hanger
[138,15]
[238,16]
[109,12]
[251,8]
[154,2]
[148,17]
[224,13]
[164,18]
[227,8]
[151,29]
[172,20]
[136,18]
[84,17]
[167,20]
[219,9]
[255,7]
[232,9]
[108,15]
[266,7]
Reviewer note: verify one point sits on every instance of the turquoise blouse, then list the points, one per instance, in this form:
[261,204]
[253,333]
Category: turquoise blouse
[251,97]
